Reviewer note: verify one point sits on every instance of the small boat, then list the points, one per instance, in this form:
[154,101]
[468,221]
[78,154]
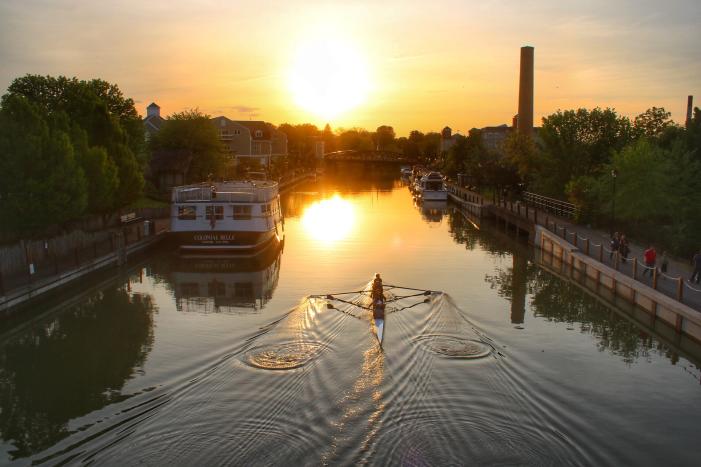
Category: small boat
[432,187]
[378,323]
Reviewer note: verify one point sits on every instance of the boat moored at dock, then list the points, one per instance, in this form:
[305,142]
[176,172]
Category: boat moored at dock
[239,217]
[432,187]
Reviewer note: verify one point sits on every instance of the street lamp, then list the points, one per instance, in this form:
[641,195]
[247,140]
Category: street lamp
[614,175]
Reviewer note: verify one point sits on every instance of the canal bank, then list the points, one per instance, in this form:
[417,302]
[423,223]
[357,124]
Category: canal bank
[654,300]
[111,247]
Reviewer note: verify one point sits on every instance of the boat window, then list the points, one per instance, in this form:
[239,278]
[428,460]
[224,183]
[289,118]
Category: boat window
[217,210]
[242,212]
[265,209]
[187,213]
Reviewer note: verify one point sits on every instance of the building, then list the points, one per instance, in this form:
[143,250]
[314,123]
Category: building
[447,139]
[493,137]
[255,141]
[153,121]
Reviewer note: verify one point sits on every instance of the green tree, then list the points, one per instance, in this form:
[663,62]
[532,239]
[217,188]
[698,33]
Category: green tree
[658,194]
[41,182]
[577,143]
[99,169]
[192,130]
[522,153]
[109,120]
[652,123]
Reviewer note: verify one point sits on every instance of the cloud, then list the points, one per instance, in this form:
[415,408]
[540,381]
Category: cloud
[244,109]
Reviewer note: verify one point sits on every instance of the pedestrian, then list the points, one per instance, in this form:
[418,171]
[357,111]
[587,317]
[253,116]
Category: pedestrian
[650,257]
[664,263]
[696,262]
[615,244]
[623,247]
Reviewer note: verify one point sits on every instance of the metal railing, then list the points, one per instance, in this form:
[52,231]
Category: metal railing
[551,205]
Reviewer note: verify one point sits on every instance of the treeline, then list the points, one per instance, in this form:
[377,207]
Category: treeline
[67,148]
[421,147]
[579,155]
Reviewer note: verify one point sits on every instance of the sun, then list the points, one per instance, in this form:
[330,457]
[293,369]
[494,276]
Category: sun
[328,77]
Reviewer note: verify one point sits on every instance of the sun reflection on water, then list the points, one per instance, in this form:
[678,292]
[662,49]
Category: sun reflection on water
[329,220]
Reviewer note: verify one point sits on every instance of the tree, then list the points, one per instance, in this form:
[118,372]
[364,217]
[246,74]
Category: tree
[577,143]
[658,193]
[652,123]
[414,145]
[192,130]
[522,154]
[41,183]
[383,137]
[109,120]
[329,139]
[357,139]
[99,169]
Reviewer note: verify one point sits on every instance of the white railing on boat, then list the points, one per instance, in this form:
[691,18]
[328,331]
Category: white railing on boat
[243,192]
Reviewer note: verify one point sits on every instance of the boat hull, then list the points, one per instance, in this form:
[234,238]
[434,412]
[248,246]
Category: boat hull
[379,329]
[213,242]
[431,195]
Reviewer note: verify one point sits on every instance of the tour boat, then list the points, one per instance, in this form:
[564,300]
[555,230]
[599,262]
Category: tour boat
[241,217]
[431,187]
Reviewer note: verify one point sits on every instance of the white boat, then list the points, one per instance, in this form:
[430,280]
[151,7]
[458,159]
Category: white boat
[241,217]
[379,330]
[379,323]
[432,187]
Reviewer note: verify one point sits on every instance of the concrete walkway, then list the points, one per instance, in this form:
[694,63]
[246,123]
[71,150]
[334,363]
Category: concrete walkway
[674,283]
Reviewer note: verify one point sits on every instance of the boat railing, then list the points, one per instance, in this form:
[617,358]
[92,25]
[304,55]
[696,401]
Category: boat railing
[209,193]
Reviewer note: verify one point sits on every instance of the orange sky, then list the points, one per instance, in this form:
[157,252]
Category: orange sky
[413,65]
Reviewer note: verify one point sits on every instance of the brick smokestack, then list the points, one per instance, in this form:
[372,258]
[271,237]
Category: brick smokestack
[689,110]
[525,92]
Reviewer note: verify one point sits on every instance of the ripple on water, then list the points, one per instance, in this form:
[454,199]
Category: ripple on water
[454,347]
[285,356]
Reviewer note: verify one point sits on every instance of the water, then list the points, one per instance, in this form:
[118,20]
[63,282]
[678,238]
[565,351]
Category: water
[195,362]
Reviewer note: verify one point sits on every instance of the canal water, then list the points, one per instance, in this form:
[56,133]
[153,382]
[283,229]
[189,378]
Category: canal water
[247,362]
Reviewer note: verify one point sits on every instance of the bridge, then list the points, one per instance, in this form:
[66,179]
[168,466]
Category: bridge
[353,155]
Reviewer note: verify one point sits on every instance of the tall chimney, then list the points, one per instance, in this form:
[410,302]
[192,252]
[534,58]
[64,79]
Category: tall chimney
[689,109]
[525,92]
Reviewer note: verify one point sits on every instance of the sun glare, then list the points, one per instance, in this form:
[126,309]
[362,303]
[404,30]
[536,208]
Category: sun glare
[329,220]
[328,77]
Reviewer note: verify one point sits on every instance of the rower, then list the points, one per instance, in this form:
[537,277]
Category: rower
[377,291]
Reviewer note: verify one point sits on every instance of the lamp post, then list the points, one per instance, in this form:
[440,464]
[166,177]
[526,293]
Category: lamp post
[614,175]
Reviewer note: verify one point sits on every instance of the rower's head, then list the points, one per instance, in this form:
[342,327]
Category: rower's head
[377,276]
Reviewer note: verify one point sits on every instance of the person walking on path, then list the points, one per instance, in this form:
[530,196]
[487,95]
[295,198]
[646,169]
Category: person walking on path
[664,263]
[650,257]
[623,247]
[615,244]
[696,261]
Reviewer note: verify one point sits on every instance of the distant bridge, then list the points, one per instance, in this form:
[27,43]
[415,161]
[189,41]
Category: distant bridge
[367,156]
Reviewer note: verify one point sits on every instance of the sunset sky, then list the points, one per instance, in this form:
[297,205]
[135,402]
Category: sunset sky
[410,64]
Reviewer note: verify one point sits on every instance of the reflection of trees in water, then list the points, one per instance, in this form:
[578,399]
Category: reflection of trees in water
[355,176]
[486,237]
[560,301]
[71,365]
[552,298]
